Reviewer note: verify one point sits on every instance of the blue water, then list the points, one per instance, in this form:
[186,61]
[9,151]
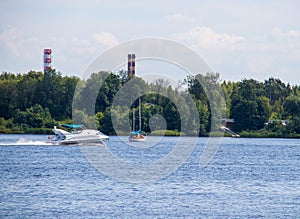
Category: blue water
[247,178]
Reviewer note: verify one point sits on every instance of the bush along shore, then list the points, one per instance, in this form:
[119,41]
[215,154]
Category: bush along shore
[34,102]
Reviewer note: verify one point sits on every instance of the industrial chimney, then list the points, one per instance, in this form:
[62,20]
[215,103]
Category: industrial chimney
[47,59]
[131,65]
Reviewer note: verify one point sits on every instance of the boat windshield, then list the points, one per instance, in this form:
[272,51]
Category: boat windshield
[73,126]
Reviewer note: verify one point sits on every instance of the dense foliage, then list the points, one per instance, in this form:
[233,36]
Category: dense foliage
[37,101]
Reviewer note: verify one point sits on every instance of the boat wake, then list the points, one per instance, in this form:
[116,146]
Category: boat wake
[25,142]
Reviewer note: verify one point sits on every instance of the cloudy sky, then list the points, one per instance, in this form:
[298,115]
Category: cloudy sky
[239,39]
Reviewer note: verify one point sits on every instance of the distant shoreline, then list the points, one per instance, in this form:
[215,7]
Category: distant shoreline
[168,133]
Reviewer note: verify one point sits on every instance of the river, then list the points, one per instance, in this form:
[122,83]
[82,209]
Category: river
[247,178]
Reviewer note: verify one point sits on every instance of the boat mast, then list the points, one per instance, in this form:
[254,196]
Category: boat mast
[133,120]
[140,121]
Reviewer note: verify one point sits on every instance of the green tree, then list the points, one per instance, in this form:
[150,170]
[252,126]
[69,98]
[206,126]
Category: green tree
[172,117]
[101,87]
[263,111]
[250,109]
[276,90]
[8,98]
[203,117]
[292,106]
[26,88]
[34,117]
[105,121]
[244,113]
[250,89]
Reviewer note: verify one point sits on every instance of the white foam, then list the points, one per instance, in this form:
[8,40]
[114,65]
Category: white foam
[24,142]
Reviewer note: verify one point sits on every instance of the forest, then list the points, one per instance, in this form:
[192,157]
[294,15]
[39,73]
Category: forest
[34,102]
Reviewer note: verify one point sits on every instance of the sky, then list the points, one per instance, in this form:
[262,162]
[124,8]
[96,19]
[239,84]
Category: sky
[238,39]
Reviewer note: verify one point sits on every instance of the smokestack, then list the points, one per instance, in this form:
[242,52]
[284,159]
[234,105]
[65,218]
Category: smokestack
[47,59]
[131,65]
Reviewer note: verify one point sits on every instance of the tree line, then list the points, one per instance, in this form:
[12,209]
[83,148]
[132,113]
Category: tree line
[34,102]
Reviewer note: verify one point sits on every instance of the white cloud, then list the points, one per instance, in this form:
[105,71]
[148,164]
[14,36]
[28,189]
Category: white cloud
[106,39]
[291,33]
[235,57]
[205,37]
[277,42]
[180,17]
[9,38]
[26,50]
[93,44]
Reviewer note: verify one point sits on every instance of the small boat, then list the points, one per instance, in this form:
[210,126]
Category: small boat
[137,136]
[79,135]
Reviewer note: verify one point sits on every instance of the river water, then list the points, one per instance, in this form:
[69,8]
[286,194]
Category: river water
[247,178]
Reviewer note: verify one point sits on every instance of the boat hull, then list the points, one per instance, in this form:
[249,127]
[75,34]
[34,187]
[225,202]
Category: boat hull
[82,143]
[137,139]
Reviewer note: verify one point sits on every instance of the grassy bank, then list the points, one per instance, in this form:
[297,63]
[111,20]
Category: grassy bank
[243,134]
[165,133]
[259,134]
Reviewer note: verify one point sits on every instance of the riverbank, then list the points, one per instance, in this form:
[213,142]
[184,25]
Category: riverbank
[246,134]
[169,133]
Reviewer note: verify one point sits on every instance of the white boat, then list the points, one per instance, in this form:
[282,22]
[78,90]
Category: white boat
[79,135]
[137,136]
